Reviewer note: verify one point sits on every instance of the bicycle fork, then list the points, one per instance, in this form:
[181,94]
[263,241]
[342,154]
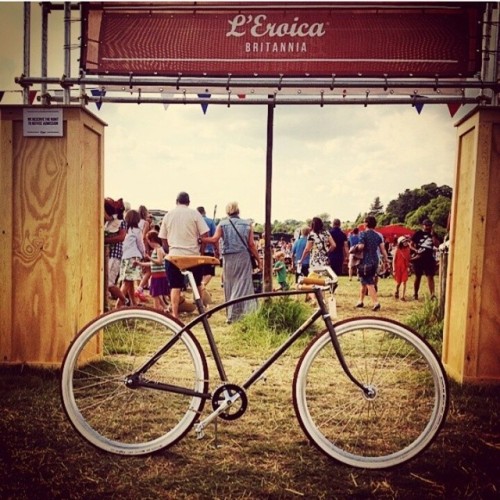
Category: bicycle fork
[367,391]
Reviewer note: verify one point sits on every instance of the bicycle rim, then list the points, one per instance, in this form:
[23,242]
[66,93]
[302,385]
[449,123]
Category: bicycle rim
[410,399]
[124,420]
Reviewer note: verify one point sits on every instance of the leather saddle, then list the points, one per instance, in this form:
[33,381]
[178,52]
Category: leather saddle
[184,262]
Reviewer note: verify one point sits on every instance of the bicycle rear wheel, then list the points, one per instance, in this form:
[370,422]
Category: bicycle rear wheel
[409,402]
[114,416]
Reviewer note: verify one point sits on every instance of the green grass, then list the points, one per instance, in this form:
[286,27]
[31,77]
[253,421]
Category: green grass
[427,322]
[264,454]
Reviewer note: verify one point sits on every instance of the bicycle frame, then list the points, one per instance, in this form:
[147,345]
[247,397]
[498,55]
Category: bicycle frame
[322,312]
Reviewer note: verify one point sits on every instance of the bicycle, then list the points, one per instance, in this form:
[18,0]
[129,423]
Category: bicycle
[368,392]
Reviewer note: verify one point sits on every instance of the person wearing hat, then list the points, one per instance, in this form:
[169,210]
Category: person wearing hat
[401,265]
[423,243]
[180,231]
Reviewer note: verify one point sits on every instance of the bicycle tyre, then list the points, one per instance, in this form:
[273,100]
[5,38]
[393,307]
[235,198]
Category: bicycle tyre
[123,420]
[407,412]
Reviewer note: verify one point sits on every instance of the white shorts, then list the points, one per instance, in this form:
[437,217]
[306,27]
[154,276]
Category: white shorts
[113,270]
[352,261]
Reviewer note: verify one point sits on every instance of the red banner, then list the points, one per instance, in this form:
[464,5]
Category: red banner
[397,40]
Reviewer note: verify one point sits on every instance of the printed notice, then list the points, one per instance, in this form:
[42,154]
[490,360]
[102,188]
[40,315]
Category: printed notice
[43,122]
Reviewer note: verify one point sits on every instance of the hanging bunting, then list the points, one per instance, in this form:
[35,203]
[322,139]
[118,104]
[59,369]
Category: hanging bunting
[165,95]
[31,96]
[453,107]
[1,95]
[418,105]
[204,105]
[98,93]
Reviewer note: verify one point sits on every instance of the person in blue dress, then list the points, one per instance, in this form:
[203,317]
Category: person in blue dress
[371,243]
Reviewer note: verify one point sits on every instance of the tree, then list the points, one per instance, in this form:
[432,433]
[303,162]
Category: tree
[412,200]
[258,228]
[376,207]
[287,227]
[437,210]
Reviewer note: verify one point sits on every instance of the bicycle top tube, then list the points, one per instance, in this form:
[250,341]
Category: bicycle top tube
[322,310]
[223,305]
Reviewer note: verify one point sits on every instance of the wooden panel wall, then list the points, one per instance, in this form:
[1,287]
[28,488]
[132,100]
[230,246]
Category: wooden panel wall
[6,230]
[54,256]
[471,349]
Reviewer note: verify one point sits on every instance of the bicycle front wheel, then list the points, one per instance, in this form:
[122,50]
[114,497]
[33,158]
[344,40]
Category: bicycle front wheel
[402,415]
[117,416]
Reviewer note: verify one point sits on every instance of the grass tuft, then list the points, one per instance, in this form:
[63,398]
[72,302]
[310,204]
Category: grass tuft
[275,320]
[427,322]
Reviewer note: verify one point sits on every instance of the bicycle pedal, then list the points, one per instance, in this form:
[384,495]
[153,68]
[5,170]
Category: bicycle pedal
[200,432]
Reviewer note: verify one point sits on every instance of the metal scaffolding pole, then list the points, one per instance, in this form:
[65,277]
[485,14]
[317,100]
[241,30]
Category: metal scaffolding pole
[45,19]
[278,83]
[26,52]
[274,100]
[67,49]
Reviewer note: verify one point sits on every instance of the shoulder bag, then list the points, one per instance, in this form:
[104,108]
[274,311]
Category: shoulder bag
[253,260]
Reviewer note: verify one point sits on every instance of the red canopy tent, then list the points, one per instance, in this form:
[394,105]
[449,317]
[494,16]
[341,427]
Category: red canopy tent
[391,231]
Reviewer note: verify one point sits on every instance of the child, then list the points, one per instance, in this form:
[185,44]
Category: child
[133,251]
[400,265]
[114,233]
[279,269]
[158,286]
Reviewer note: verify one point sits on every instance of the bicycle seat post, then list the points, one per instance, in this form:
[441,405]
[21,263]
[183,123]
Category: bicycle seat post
[196,293]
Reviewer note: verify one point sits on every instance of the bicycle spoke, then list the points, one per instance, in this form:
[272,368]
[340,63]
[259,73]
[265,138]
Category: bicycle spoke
[124,418]
[390,423]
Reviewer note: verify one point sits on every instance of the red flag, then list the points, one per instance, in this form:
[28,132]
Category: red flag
[32,95]
[453,107]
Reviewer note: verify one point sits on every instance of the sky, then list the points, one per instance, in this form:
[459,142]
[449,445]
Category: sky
[334,160]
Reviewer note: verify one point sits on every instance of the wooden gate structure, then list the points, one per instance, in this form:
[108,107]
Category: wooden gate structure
[51,253]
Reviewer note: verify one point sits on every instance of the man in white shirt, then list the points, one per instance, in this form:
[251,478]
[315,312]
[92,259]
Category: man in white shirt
[181,229]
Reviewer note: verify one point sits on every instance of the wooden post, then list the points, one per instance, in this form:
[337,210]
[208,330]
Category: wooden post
[471,344]
[51,235]
[268,276]
[443,272]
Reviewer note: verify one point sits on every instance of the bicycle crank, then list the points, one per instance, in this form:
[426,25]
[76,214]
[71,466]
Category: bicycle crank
[236,405]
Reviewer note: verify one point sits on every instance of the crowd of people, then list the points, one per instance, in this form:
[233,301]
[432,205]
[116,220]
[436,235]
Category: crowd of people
[137,247]
[136,251]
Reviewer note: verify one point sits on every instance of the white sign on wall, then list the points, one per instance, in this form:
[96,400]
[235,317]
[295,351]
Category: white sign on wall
[44,122]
